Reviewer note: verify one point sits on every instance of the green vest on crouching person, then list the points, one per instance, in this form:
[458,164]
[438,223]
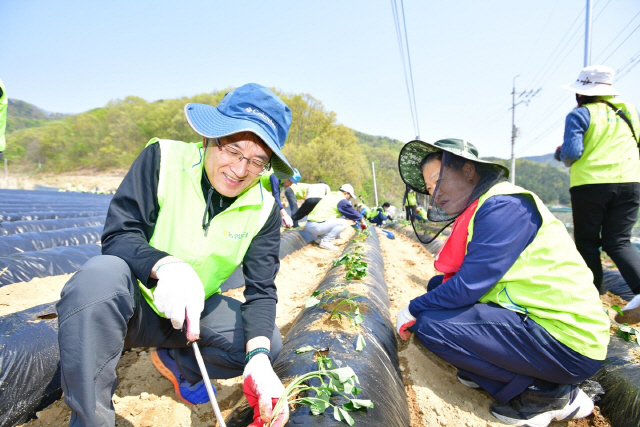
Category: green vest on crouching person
[213,254]
[327,208]
[610,154]
[551,284]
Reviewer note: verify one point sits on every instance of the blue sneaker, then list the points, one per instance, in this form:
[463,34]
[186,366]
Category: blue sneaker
[191,394]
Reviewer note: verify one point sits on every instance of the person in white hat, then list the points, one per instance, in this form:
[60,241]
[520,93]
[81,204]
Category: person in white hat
[601,147]
[332,215]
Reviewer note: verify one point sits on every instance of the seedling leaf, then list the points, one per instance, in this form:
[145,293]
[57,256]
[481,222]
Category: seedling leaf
[304,349]
[617,309]
[311,301]
[345,415]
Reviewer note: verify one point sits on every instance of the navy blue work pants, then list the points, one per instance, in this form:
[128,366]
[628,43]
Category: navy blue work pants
[500,350]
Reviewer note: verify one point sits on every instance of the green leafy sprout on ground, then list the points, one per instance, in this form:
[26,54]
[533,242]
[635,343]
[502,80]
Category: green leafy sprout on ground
[345,304]
[353,263]
[339,381]
[624,330]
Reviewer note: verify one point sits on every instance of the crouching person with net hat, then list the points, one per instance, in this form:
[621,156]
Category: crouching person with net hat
[184,218]
[515,310]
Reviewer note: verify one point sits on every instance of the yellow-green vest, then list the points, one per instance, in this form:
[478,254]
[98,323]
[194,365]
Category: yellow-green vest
[266,181]
[327,208]
[300,189]
[551,283]
[372,213]
[214,254]
[610,154]
[411,199]
[422,212]
[4,103]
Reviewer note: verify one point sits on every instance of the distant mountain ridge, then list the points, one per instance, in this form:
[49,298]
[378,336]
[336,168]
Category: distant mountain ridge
[22,115]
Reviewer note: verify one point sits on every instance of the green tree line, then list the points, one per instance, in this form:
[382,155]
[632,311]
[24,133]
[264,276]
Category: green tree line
[111,137]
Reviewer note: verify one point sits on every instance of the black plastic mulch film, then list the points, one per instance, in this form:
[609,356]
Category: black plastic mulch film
[620,373]
[29,363]
[29,353]
[376,366]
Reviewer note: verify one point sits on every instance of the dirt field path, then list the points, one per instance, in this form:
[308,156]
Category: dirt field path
[145,398]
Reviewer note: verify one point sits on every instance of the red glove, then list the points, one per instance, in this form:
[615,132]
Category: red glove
[363,226]
[405,321]
[263,388]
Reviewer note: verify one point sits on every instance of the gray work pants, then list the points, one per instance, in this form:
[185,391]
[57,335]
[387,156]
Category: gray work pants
[101,312]
[327,230]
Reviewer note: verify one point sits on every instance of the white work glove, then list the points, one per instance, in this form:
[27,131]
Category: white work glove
[179,293]
[405,320]
[263,388]
[288,222]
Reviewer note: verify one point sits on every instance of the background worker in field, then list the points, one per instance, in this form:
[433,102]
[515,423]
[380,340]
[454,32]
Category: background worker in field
[601,147]
[4,104]
[312,195]
[515,310]
[380,215]
[331,216]
[273,184]
[409,203]
[185,216]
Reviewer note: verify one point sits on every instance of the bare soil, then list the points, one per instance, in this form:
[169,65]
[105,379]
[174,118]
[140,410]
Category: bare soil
[145,398]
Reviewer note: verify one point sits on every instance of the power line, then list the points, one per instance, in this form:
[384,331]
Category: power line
[614,39]
[408,76]
[623,41]
[631,67]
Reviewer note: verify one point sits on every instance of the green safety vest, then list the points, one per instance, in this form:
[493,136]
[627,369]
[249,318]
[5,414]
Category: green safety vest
[265,180]
[214,254]
[372,213]
[422,212]
[411,199]
[551,283]
[327,208]
[300,189]
[610,154]
[4,103]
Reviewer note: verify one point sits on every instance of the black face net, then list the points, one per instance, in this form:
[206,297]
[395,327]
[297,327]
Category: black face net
[453,183]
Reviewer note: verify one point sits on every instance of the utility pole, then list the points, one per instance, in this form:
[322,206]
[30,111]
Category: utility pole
[515,132]
[587,35]
[375,189]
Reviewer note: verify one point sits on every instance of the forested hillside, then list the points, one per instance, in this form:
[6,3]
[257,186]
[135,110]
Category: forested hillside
[24,115]
[322,149]
[112,136]
[549,182]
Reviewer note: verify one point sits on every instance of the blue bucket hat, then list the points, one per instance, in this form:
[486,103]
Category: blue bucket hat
[249,108]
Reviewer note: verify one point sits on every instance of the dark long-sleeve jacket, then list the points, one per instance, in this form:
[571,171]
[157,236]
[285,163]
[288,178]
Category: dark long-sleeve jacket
[131,221]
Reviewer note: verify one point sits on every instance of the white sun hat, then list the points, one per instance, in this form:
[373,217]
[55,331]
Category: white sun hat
[348,188]
[594,80]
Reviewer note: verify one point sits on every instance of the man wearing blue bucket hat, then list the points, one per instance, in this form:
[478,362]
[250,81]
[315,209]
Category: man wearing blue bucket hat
[184,218]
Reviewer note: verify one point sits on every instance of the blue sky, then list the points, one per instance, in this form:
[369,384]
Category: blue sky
[71,56]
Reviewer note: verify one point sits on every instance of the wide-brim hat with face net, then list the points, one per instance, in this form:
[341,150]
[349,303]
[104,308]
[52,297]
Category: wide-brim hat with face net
[594,80]
[413,152]
[249,108]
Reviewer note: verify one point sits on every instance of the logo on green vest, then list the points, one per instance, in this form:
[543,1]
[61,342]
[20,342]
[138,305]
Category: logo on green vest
[235,236]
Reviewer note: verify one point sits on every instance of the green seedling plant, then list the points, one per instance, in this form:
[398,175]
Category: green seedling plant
[353,263]
[339,381]
[625,331]
[345,305]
